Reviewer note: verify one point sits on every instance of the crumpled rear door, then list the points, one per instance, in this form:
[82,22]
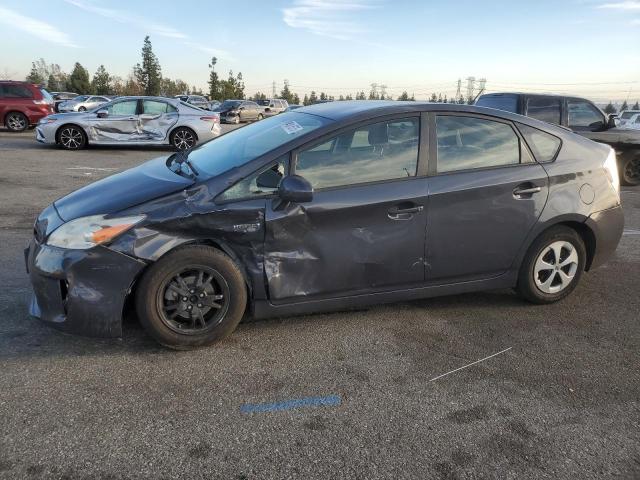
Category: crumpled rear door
[156,120]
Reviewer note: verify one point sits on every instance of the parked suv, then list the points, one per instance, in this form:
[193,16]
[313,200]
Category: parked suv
[195,100]
[273,106]
[579,115]
[23,104]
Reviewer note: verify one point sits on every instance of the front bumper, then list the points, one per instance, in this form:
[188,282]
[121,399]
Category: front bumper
[607,226]
[46,132]
[80,291]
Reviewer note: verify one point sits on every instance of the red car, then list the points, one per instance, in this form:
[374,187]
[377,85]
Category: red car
[23,104]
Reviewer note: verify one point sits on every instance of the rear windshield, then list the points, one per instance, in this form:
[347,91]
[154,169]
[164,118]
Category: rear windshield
[248,143]
[508,103]
[230,103]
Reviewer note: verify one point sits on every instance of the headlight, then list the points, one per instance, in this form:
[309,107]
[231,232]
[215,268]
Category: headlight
[47,120]
[87,232]
[611,167]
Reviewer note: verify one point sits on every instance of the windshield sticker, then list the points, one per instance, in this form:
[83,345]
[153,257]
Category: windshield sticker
[291,127]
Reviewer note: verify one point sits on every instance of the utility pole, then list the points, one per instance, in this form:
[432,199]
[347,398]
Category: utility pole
[470,86]
[459,90]
[273,89]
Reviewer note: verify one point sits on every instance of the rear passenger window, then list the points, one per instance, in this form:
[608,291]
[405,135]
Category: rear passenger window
[468,142]
[152,107]
[546,109]
[15,91]
[543,145]
[381,151]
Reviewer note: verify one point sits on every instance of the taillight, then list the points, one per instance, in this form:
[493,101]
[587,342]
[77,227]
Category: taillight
[214,119]
[611,168]
[41,102]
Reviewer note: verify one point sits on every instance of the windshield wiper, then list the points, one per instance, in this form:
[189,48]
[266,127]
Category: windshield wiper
[179,163]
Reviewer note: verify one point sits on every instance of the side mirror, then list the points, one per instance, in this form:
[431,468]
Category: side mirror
[613,121]
[103,113]
[294,188]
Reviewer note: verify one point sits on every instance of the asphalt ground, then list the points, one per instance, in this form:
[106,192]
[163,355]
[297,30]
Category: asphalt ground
[340,395]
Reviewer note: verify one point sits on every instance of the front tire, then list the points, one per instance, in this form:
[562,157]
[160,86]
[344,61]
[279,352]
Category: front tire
[630,172]
[72,137]
[552,266]
[82,109]
[260,116]
[183,138]
[16,122]
[192,297]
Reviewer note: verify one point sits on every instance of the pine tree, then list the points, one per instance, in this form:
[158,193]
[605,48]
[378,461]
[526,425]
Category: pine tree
[100,82]
[313,98]
[433,98]
[636,106]
[214,81]
[286,94]
[361,96]
[305,100]
[35,76]
[624,106]
[78,81]
[149,74]
[295,99]
[610,108]
[404,96]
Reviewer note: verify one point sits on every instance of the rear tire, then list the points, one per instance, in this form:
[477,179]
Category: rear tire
[71,137]
[630,172]
[82,109]
[183,308]
[183,138]
[552,267]
[16,122]
[260,116]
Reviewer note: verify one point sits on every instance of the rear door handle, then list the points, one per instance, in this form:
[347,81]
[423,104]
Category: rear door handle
[518,192]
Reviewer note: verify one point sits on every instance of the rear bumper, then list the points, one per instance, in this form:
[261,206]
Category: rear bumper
[607,226]
[80,291]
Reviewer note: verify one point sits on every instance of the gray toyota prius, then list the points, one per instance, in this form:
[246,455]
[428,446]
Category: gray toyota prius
[328,207]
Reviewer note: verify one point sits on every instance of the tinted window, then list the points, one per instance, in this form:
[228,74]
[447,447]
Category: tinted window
[584,114]
[468,142]
[543,145]
[263,182]
[127,107]
[381,151]
[627,115]
[153,107]
[546,109]
[508,103]
[80,98]
[16,91]
[247,143]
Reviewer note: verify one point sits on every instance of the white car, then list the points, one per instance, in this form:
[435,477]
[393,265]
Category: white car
[626,115]
[131,121]
[632,122]
[82,103]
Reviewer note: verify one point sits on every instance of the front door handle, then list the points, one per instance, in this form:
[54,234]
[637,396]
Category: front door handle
[404,213]
[519,192]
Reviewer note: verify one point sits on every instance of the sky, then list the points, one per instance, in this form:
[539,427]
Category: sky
[584,47]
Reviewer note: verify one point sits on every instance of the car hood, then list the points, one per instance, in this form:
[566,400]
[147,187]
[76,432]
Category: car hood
[145,182]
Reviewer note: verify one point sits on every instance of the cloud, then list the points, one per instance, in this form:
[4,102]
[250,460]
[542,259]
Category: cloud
[149,27]
[627,5]
[328,18]
[126,17]
[35,27]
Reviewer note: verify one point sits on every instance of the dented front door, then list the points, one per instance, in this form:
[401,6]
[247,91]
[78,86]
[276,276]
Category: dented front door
[156,120]
[347,241]
[120,124]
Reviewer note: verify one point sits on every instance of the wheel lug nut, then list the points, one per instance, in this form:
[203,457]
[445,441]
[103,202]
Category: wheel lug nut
[201,295]
[189,307]
[199,305]
[192,291]
[184,299]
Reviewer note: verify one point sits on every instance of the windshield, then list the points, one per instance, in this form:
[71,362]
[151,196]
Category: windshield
[263,102]
[247,143]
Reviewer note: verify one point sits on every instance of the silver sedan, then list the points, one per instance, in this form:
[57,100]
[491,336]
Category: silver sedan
[82,103]
[131,121]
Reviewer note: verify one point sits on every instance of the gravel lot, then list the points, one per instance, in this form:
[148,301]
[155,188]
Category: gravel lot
[563,402]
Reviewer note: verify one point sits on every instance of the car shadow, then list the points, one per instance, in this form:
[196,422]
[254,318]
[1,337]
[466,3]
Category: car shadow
[28,337]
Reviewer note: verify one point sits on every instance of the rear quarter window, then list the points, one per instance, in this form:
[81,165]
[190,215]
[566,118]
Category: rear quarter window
[507,103]
[544,146]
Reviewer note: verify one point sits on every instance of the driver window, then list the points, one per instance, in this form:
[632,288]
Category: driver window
[263,182]
[584,115]
[127,107]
